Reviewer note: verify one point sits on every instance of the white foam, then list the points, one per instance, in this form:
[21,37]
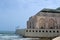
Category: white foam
[57,38]
[13,37]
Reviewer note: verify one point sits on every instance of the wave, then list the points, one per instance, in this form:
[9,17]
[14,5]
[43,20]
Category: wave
[8,37]
[13,37]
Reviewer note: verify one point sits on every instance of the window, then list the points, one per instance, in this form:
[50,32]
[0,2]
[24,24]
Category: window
[43,31]
[57,31]
[42,23]
[33,30]
[50,31]
[39,30]
[54,31]
[46,31]
[26,30]
[51,23]
[29,30]
[36,31]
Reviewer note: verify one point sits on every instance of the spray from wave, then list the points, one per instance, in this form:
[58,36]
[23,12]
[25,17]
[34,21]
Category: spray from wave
[13,36]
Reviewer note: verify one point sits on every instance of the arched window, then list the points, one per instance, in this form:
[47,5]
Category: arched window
[42,23]
[51,23]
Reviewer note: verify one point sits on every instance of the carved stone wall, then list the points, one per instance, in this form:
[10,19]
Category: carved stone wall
[44,20]
[42,23]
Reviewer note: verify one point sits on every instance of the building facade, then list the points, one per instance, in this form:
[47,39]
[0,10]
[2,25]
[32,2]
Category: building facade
[45,19]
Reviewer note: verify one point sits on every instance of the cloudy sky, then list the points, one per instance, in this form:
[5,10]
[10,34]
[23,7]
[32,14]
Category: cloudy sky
[15,13]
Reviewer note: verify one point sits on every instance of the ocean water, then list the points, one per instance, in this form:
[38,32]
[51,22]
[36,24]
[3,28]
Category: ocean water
[13,36]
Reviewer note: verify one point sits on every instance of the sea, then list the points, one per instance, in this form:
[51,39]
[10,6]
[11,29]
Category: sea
[10,35]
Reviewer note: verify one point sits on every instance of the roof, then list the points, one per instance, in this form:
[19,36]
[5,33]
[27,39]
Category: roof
[51,10]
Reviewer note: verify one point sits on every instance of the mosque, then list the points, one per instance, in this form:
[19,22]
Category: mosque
[45,25]
[45,19]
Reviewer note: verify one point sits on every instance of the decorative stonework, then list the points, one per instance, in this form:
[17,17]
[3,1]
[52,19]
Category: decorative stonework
[42,23]
[48,20]
[51,23]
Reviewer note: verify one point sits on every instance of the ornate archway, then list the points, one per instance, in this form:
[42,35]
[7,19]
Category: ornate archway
[51,23]
[42,23]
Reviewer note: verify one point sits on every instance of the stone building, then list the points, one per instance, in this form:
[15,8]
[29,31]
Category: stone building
[45,19]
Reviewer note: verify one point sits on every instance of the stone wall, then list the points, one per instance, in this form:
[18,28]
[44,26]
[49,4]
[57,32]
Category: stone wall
[44,20]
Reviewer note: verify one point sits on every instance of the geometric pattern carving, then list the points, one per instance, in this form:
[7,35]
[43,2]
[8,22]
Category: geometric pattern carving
[42,23]
[51,23]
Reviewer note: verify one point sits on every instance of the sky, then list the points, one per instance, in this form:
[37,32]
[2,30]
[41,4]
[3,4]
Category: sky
[14,13]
